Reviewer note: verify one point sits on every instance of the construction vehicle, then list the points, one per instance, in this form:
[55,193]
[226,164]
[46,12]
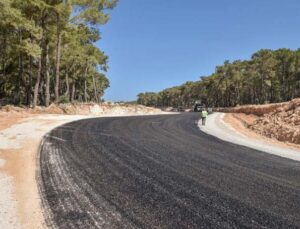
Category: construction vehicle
[199,106]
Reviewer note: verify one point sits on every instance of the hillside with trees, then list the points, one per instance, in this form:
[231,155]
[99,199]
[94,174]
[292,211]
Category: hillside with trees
[48,51]
[269,76]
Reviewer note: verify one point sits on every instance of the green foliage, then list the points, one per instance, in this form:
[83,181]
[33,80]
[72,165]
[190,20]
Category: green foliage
[270,76]
[64,99]
[92,12]
[59,34]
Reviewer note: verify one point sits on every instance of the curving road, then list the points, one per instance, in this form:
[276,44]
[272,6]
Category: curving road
[161,172]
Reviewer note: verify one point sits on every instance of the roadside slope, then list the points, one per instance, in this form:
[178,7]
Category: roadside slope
[217,127]
[280,121]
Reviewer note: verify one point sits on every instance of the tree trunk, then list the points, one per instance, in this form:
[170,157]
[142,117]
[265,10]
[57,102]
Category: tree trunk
[29,88]
[57,64]
[46,74]
[45,60]
[4,59]
[20,74]
[95,89]
[37,85]
[67,93]
[85,91]
[20,78]
[42,90]
[73,92]
[85,86]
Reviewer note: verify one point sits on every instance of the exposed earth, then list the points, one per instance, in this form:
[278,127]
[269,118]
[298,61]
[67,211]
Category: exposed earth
[280,121]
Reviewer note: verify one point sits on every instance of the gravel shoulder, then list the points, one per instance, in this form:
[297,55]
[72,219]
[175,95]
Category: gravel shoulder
[236,133]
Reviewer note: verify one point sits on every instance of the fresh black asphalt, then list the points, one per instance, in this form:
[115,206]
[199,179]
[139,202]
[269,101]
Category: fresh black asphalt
[161,172]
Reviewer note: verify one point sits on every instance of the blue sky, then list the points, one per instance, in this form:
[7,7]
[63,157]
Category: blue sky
[155,44]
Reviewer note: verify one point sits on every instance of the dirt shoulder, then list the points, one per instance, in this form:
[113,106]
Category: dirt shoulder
[20,134]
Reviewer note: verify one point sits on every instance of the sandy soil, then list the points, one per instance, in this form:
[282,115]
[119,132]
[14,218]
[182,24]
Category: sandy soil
[8,120]
[240,122]
[18,147]
[20,136]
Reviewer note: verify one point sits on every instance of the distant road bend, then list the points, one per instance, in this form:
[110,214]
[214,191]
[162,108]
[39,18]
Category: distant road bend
[162,172]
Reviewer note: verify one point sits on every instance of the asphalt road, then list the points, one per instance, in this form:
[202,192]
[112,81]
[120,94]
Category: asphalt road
[161,172]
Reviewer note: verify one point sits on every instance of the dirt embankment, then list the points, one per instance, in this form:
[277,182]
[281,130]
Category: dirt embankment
[279,121]
[282,123]
[85,109]
[258,110]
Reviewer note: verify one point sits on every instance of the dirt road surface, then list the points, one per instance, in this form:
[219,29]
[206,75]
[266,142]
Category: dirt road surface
[162,172]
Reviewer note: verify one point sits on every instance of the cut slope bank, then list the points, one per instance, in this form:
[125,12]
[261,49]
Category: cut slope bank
[279,121]
[227,131]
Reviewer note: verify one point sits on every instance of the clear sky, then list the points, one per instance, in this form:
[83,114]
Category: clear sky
[155,44]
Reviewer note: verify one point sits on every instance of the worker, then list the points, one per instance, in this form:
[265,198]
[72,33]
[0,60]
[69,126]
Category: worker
[204,115]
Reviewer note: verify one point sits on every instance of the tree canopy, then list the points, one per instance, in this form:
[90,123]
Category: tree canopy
[269,76]
[48,51]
